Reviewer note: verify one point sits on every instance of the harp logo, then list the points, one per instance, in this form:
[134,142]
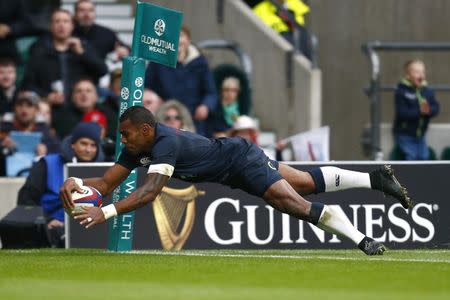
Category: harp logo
[169,208]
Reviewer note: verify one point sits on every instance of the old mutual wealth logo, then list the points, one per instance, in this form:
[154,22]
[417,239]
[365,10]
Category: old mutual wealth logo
[158,45]
[159,27]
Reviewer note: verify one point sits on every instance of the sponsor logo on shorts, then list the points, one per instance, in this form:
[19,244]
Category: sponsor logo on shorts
[145,161]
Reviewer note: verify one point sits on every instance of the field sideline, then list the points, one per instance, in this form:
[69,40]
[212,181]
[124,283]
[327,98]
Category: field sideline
[233,274]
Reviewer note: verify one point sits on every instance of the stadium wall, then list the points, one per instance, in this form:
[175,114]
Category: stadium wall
[9,187]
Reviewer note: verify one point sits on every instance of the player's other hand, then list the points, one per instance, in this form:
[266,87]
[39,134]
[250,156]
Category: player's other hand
[89,216]
[65,192]
[201,113]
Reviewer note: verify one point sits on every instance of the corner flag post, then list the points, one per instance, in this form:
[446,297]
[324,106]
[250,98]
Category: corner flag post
[155,38]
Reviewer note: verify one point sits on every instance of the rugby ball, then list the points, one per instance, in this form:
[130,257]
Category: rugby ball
[88,198]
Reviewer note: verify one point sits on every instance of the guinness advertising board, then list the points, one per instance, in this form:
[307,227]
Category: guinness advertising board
[213,216]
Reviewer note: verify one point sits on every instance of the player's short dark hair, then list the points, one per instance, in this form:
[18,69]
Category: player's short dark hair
[138,115]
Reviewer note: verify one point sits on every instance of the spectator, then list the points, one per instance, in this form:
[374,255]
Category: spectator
[98,117]
[59,60]
[245,127]
[229,110]
[103,39]
[415,105]
[151,100]
[110,106]
[24,120]
[13,24]
[44,113]
[191,83]
[8,89]
[47,175]
[174,114]
[84,100]
[287,18]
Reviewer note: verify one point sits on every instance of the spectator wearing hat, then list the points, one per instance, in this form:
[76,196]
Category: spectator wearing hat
[107,144]
[246,128]
[24,120]
[47,175]
[84,100]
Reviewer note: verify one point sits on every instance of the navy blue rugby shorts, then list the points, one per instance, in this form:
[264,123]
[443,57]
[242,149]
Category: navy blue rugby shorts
[255,172]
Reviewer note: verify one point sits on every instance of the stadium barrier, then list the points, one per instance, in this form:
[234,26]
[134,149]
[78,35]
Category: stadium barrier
[212,216]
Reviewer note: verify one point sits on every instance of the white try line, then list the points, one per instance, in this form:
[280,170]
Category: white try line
[297,257]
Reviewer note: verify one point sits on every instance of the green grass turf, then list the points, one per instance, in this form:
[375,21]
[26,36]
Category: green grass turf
[294,274]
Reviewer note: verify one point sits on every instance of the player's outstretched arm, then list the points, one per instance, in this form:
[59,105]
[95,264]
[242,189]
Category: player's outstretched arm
[110,180]
[143,195]
[140,197]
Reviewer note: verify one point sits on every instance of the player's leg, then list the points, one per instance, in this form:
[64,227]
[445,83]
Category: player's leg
[330,179]
[284,198]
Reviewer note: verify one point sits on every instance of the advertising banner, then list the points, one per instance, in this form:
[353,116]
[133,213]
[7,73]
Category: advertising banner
[156,33]
[213,216]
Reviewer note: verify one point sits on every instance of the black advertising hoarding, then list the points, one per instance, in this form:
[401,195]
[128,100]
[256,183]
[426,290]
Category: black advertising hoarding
[213,216]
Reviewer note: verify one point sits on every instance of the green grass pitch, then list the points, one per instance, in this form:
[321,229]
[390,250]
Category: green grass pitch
[270,274]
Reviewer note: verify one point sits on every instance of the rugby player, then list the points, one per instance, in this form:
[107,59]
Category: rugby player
[235,162]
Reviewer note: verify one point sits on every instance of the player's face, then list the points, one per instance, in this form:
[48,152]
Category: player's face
[133,137]
[85,149]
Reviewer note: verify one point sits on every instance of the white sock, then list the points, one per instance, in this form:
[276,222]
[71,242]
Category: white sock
[337,179]
[333,220]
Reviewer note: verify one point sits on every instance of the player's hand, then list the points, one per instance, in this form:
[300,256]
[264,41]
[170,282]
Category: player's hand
[201,113]
[89,216]
[75,45]
[65,193]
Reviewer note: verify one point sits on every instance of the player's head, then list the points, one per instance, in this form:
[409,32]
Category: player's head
[137,129]
[415,72]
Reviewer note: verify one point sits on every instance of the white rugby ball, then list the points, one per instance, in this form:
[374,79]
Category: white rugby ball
[88,198]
